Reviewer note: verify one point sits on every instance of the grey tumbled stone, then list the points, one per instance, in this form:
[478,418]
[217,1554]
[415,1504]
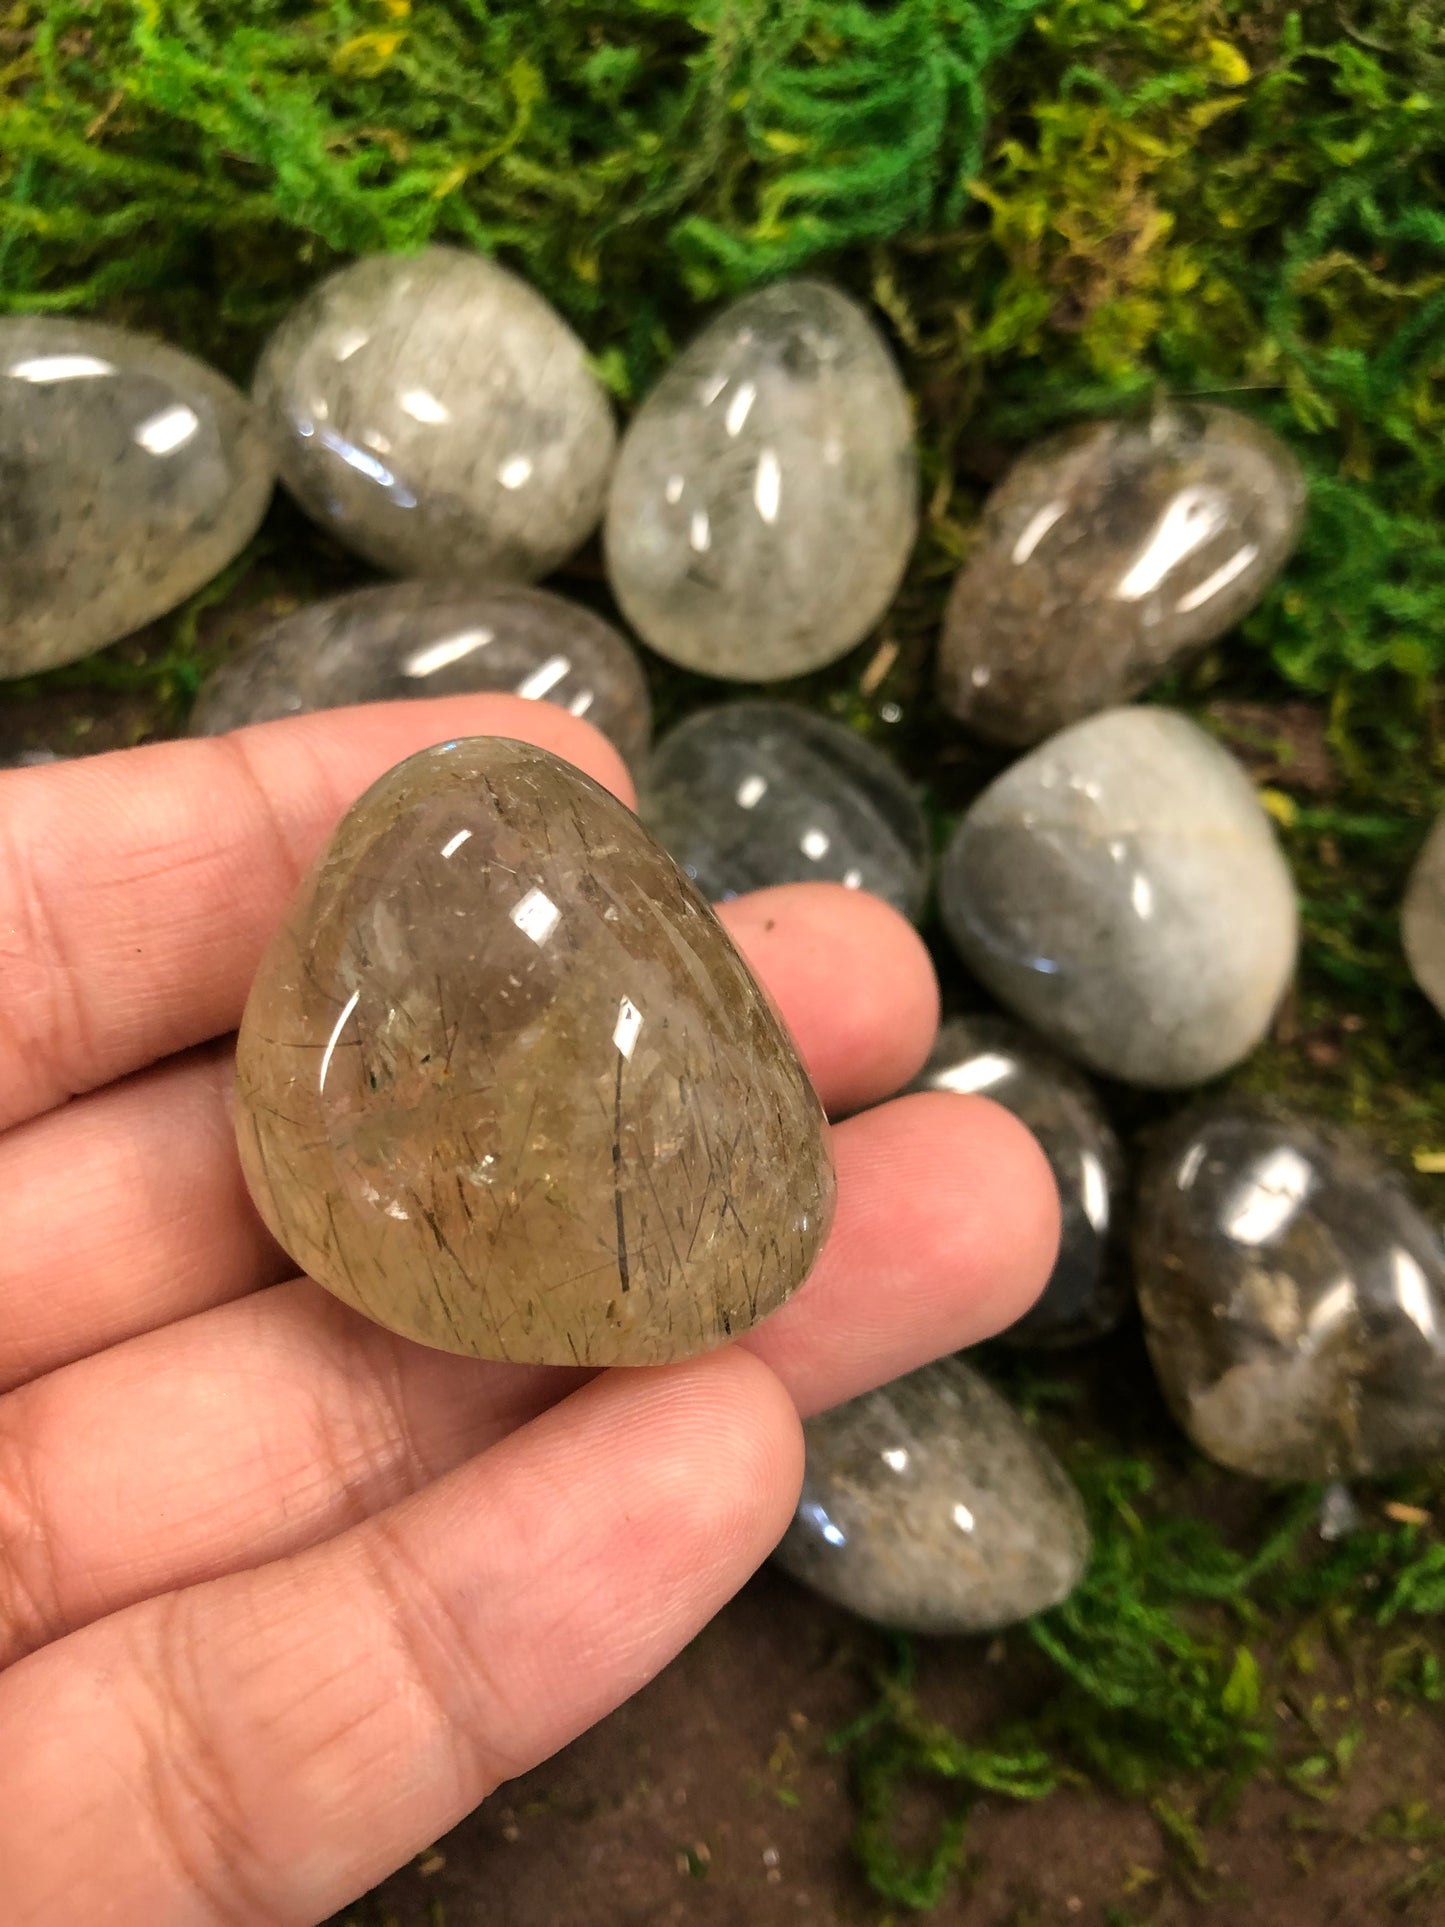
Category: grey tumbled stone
[766,494]
[927,1505]
[1293,1296]
[1109,555]
[438,416]
[133,474]
[1422,918]
[751,794]
[985,1056]
[1121,889]
[406,639]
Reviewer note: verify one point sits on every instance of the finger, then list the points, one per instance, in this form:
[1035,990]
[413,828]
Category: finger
[137,890]
[145,1180]
[267,1747]
[300,1417]
[852,979]
[126,1210]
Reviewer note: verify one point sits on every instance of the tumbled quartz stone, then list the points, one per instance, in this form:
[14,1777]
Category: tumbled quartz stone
[1107,556]
[439,417]
[990,1057]
[434,639]
[1121,890]
[505,1085]
[766,494]
[1293,1296]
[927,1505]
[1422,920]
[133,475]
[751,794]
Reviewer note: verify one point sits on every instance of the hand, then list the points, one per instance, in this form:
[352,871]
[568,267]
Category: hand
[283,1596]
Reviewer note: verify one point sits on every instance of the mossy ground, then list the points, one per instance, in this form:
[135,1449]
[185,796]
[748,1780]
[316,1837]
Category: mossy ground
[1062,208]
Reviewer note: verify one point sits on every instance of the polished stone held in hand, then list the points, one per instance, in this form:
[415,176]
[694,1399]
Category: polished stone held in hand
[765,499]
[1108,555]
[1422,918]
[1293,1296]
[434,638]
[751,794]
[984,1056]
[133,475]
[439,417]
[929,1506]
[504,1084]
[1121,889]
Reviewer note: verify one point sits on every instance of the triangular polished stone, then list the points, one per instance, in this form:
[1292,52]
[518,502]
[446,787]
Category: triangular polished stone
[504,1084]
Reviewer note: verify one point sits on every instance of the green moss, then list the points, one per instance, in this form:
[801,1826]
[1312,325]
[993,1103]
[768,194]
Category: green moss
[1062,208]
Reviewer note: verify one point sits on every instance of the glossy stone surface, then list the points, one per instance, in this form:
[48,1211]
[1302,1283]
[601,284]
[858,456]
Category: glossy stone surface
[1422,919]
[1107,556]
[439,417]
[1121,889]
[504,1085]
[927,1505]
[766,494]
[751,794]
[1293,1296]
[132,475]
[991,1057]
[434,639]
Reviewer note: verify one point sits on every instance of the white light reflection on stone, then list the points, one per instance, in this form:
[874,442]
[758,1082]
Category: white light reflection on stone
[47,368]
[536,916]
[352,1001]
[440,655]
[629,1023]
[1265,1203]
[544,678]
[171,429]
[422,405]
[1190,520]
[1036,529]
[768,486]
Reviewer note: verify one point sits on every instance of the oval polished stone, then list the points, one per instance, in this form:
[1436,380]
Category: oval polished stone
[407,639]
[133,475]
[1422,919]
[990,1057]
[1121,889]
[1107,556]
[1293,1296]
[927,1505]
[751,794]
[765,499]
[504,1084]
[438,416]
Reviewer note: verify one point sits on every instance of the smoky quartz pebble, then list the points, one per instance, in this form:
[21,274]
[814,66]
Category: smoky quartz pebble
[439,417]
[133,475]
[504,1084]
[1109,555]
[766,493]
[986,1056]
[1293,1296]
[929,1506]
[426,638]
[755,793]
[1121,890]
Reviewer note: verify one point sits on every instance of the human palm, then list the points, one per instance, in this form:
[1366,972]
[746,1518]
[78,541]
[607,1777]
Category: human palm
[282,1595]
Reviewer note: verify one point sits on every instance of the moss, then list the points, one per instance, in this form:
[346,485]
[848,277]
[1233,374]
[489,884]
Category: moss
[1062,209]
